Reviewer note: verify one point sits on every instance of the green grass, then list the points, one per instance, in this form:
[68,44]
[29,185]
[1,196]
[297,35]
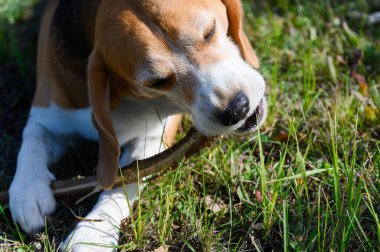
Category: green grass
[309,180]
[13,10]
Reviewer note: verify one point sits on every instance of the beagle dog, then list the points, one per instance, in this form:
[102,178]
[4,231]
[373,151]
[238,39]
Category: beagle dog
[121,72]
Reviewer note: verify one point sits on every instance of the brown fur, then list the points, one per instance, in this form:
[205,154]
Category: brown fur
[126,35]
[235,18]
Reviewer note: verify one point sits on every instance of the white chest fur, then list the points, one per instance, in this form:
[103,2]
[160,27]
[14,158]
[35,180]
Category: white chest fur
[131,119]
[139,118]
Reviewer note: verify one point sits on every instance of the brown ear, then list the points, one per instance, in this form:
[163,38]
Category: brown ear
[109,149]
[236,32]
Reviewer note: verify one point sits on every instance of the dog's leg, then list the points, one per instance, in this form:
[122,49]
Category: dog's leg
[100,232]
[114,205]
[30,196]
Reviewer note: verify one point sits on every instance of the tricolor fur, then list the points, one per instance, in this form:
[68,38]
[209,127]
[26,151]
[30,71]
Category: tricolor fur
[120,72]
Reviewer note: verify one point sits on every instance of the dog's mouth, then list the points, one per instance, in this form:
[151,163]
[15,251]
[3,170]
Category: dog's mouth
[256,119]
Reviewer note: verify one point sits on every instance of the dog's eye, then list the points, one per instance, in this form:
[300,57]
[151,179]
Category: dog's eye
[161,83]
[210,33]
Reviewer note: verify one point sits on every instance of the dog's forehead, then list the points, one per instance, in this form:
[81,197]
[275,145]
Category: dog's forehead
[151,39]
[179,18]
[171,10]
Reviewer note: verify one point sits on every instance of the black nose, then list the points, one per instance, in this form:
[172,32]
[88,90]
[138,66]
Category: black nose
[236,110]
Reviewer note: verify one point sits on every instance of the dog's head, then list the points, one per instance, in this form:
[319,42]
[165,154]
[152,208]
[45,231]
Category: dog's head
[194,52]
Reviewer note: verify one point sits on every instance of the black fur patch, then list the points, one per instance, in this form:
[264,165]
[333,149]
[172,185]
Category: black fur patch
[72,28]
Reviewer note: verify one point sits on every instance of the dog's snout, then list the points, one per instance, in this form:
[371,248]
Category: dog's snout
[236,111]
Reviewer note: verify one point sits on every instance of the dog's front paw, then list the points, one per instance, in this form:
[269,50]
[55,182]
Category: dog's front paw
[30,202]
[92,236]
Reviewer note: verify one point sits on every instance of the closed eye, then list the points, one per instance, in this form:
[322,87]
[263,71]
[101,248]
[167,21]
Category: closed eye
[210,33]
[161,83]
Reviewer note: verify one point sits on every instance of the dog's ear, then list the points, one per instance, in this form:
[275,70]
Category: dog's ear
[109,149]
[236,32]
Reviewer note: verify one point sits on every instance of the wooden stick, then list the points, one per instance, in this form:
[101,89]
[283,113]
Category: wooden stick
[192,143]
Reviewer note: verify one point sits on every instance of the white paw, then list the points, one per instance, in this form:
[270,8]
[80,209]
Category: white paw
[30,201]
[92,236]
[102,234]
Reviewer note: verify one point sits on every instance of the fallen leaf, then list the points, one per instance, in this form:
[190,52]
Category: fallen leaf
[341,60]
[370,113]
[281,136]
[354,61]
[258,226]
[163,248]
[258,195]
[360,79]
[213,205]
